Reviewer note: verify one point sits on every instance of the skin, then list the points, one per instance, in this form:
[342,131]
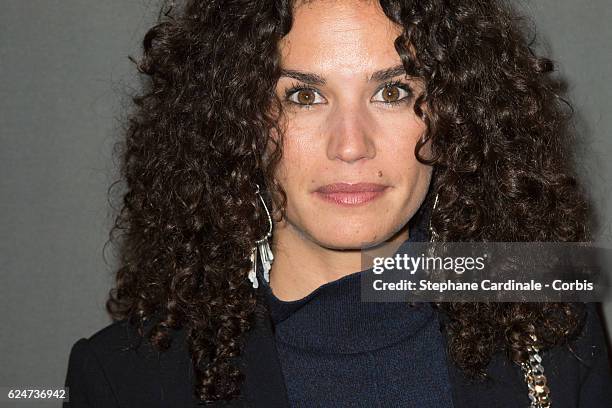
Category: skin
[348,133]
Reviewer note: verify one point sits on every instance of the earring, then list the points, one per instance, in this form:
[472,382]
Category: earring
[262,246]
[433,235]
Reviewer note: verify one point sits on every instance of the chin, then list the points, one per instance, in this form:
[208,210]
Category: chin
[349,238]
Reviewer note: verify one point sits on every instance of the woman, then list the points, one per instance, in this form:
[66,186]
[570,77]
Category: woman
[274,141]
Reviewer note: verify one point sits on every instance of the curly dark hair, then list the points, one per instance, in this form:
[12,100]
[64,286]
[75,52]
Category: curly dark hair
[194,148]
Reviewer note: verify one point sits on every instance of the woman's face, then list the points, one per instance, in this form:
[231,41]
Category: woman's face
[347,126]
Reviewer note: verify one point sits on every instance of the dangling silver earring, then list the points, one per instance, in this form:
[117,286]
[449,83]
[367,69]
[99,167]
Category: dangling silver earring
[433,235]
[262,246]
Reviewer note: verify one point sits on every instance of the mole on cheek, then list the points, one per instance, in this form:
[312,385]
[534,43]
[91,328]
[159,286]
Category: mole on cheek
[379,173]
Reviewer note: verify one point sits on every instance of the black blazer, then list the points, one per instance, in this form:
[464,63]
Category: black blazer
[104,372]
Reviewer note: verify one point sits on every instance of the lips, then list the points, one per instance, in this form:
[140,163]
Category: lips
[346,194]
[351,188]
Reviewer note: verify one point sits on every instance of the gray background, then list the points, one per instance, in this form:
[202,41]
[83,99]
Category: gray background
[64,77]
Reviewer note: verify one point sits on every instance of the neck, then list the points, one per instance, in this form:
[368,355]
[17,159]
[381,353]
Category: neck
[301,265]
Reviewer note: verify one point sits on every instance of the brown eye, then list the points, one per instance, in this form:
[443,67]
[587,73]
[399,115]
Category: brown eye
[390,93]
[394,93]
[304,96]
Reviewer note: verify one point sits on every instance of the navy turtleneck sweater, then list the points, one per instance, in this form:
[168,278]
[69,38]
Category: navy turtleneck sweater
[337,351]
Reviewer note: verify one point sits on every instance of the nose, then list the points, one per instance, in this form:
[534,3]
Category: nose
[350,131]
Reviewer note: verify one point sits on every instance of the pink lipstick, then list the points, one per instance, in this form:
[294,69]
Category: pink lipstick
[351,194]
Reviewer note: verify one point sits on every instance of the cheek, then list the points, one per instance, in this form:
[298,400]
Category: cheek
[399,139]
[398,160]
[298,155]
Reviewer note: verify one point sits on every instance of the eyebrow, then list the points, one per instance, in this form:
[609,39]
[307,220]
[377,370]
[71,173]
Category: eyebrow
[315,79]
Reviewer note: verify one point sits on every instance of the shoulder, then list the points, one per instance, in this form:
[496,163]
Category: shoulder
[592,339]
[115,339]
[570,365]
[108,367]
[580,370]
[86,379]
[119,336]
[590,347]
[577,373]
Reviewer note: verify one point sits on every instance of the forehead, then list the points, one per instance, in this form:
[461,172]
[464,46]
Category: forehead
[340,36]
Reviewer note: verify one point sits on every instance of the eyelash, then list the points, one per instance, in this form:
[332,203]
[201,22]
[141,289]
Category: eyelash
[295,87]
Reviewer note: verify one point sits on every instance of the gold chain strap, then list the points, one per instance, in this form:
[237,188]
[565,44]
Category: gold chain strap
[539,394]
